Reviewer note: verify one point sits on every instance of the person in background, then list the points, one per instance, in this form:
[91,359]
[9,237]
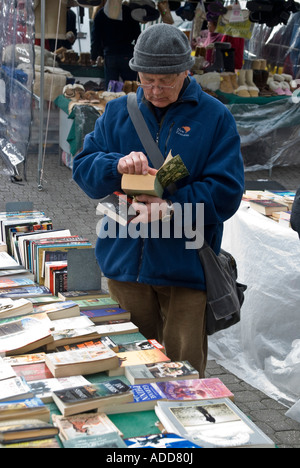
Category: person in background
[212,37]
[71,34]
[295,215]
[159,278]
[114,41]
[237,43]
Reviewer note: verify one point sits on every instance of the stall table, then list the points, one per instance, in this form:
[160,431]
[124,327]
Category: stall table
[74,126]
[264,348]
[269,129]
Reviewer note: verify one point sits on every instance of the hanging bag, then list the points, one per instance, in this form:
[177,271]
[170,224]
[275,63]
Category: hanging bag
[225,295]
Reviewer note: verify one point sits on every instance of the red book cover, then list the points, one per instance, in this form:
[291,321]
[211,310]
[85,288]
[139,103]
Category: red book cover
[33,371]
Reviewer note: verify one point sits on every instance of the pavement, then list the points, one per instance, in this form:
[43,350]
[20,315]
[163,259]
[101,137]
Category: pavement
[69,207]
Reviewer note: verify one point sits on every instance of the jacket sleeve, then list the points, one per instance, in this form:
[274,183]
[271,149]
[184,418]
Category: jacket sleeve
[220,184]
[95,168]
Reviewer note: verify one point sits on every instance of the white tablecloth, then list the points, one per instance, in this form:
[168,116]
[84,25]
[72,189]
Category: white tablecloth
[264,348]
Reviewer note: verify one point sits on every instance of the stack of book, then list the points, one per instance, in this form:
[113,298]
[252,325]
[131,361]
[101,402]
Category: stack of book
[79,352]
[276,205]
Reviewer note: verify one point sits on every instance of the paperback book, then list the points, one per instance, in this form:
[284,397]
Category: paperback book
[96,303]
[14,389]
[212,424]
[105,340]
[139,345]
[70,331]
[69,337]
[26,292]
[110,440]
[116,329]
[82,295]
[31,371]
[267,207]
[77,400]
[26,430]
[160,441]
[58,310]
[118,207]
[171,171]
[160,371]
[84,425]
[28,408]
[81,362]
[49,443]
[133,358]
[7,262]
[14,308]
[6,370]
[25,335]
[43,388]
[8,283]
[147,395]
[23,359]
[102,315]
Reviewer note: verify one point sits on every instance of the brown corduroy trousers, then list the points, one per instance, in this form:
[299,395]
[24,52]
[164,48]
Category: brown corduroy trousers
[174,316]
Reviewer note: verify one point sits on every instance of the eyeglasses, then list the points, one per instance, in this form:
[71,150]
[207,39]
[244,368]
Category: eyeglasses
[151,86]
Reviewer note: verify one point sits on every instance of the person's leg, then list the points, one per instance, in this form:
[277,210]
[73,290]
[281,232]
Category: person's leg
[184,330]
[175,317]
[141,301]
[111,69]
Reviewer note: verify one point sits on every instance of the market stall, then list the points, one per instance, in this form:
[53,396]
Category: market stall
[263,349]
[260,89]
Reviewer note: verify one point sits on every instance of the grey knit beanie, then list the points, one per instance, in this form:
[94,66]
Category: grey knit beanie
[162,49]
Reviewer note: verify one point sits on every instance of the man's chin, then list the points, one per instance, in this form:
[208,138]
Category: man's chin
[159,102]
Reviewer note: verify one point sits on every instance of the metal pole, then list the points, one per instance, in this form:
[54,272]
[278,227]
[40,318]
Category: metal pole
[40,156]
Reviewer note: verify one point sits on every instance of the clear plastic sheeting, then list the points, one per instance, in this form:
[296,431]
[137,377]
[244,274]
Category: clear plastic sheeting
[279,45]
[270,133]
[264,348]
[16,46]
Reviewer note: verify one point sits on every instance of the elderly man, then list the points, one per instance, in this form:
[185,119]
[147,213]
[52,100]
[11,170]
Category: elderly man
[157,278]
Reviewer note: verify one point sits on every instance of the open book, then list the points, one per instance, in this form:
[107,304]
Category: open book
[172,170]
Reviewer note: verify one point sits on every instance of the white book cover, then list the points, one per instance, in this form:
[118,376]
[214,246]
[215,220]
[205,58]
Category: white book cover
[71,323]
[75,356]
[14,389]
[212,424]
[6,371]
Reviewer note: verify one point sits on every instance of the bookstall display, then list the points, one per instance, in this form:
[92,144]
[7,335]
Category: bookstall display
[67,381]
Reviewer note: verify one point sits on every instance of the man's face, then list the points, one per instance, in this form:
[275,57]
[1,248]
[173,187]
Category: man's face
[162,90]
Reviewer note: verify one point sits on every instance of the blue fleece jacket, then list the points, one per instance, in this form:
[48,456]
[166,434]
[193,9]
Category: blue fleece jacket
[203,132]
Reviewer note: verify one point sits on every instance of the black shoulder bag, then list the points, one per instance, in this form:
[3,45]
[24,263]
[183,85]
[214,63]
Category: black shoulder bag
[225,295]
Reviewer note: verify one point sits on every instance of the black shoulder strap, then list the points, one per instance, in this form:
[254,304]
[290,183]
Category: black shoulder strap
[152,150]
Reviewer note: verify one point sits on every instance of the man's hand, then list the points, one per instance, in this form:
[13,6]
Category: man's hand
[149,209]
[135,163]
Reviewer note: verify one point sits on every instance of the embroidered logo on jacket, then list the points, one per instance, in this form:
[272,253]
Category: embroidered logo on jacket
[183,131]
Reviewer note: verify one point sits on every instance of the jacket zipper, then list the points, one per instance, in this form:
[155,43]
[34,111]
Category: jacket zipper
[143,240]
